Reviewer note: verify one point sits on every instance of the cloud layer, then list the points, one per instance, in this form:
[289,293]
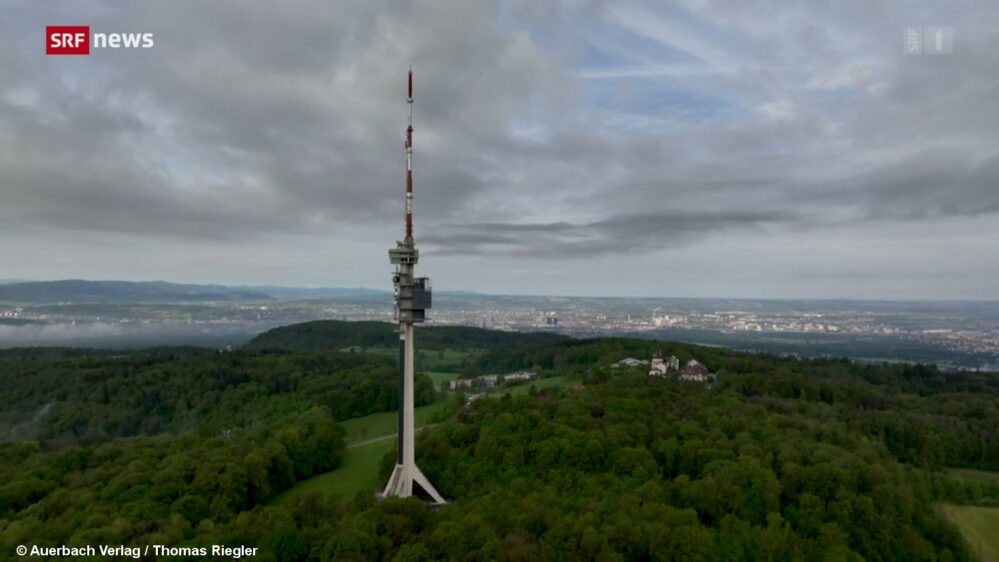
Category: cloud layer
[261,133]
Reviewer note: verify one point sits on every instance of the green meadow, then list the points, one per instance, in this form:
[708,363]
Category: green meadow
[979,526]
[358,471]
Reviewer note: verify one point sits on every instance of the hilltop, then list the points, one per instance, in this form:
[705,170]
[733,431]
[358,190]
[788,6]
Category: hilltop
[333,335]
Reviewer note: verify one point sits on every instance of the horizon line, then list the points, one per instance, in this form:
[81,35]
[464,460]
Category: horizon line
[14,281]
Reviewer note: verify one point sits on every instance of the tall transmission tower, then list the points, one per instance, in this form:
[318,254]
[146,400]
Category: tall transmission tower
[412,299]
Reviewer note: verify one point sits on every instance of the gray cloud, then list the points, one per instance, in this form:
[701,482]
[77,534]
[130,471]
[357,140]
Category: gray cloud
[299,107]
[629,233]
[576,129]
[931,184]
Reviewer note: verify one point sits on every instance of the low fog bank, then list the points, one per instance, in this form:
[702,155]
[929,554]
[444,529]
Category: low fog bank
[120,336]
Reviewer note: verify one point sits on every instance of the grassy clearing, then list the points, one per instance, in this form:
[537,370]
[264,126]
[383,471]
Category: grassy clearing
[358,471]
[449,354]
[538,384]
[360,464]
[979,527]
[978,476]
[386,423]
[525,388]
[443,359]
[440,377]
[389,351]
[426,359]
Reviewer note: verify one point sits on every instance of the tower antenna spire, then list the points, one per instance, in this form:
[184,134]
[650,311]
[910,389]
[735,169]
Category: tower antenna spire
[412,300]
[409,161]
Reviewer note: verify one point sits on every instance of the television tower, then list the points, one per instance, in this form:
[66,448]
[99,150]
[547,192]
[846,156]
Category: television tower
[412,299]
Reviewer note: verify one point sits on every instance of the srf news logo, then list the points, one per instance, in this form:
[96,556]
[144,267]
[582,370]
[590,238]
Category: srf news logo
[77,40]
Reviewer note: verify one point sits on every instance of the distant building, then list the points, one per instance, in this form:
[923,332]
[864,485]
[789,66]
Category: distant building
[520,376]
[661,367]
[491,381]
[461,383]
[696,372]
[629,362]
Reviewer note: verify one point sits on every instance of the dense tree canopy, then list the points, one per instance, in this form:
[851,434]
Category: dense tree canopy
[782,459]
[85,396]
[158,489]
[331,335]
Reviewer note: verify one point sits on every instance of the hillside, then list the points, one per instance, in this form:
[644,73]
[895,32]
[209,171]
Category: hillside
[64,397]
[332,335]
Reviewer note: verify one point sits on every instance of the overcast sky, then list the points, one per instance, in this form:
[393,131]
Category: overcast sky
[697,148]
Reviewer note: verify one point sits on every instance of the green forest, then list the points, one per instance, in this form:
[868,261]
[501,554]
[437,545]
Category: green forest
[333,335]
[781,459]
[65,396]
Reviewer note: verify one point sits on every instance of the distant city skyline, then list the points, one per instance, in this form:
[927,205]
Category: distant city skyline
[95,314]
[660,149]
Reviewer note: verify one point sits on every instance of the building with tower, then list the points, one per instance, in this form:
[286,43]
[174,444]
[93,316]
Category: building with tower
[661,367]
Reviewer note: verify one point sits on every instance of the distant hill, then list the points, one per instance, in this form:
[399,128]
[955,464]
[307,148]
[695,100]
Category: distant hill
[79,291]
[107,292]
[307,293]
[323,335]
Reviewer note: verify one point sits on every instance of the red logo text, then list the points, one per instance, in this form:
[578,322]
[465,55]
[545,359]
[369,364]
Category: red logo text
[67,40]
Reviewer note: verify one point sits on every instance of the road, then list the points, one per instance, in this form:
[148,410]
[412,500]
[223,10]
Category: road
[384,437]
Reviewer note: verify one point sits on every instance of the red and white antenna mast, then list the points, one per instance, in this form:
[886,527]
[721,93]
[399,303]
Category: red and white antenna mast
[409,162]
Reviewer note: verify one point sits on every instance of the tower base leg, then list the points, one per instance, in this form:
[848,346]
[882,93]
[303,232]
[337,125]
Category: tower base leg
[401,482]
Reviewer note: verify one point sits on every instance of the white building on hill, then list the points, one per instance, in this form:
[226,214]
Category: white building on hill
[662,367]
[629,362]
[461,383]
[520,376]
